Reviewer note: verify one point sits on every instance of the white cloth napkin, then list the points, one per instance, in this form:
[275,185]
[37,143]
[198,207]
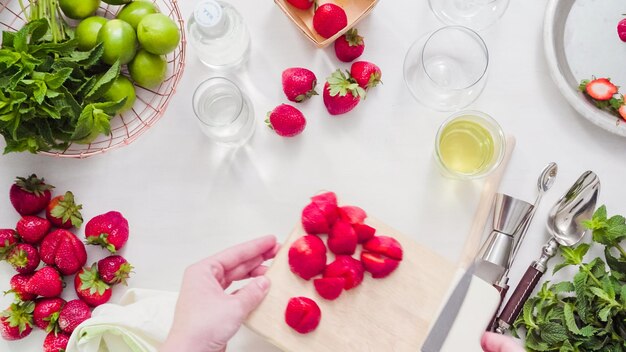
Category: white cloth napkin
[139,323]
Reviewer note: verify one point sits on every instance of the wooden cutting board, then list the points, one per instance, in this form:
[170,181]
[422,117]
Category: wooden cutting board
[390,314]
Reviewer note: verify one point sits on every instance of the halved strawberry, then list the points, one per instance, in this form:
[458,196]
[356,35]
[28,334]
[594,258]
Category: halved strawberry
[348,268]
[622,111]
[352,214]
[329,287]
[307,256]
[327,202]
[385,245]
[364,232]
[378,265]
[601,89]
[342,238]
[302,314]
[313,220]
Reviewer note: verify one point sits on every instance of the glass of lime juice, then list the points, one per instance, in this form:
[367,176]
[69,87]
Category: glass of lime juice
[469,145]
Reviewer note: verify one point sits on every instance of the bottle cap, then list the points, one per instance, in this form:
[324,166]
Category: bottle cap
[208,13]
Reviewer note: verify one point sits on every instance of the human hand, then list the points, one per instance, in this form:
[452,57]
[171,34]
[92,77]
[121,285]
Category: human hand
[492,342]
[207,317]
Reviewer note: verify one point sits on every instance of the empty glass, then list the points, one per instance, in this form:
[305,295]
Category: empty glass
[446,70]
[224,112]
[475,14]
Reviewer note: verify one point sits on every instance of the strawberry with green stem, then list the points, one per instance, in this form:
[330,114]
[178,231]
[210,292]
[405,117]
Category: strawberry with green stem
[109,230]
[24,258]
[18,287]
[56,342]
[8,240]
[16,322]
[63,212]
[72,314]
[114,269]
[349,46]
[30,195]
[90,288]
[286,120]
[366,74]
[46,313]
[341,93]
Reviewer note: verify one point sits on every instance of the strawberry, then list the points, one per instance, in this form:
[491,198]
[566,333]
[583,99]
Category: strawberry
[329,287]
[302,314]
[8,240]
[63,212]
[601,89]
[621,29]
[56,342]
[18,287]
[342,238]
[45,282]
[329,19]
[327,203]
[352,214]
[286,120]
[348,268]
[385,245]
[32,228]
[90,288]
[24,258]
[341,94]
[109,230]
[30,195]
[16,322]
[72,314]
[114,269]
[364,232]
[307,256]
[621,111]
[301,4]
[313,220]
[349,46]
[63,250]
[46,313]
[381,256]
[299,84]
[366,74]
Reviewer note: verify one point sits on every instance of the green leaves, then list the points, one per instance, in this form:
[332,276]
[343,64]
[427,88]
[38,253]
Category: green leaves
[572,256]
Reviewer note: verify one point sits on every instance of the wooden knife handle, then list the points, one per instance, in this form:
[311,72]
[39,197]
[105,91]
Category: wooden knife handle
[515,304]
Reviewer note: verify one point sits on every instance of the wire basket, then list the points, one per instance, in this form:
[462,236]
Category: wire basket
[150,104]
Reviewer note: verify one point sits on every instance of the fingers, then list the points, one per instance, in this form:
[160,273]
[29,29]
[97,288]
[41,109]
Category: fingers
[492,342]
[251,295]
[242,271]
[258,271]
[234,256]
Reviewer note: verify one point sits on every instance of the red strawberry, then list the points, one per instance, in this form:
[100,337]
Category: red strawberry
[342,238]
[114,269]
[301,4]
[64,250]
[16,322]
[385,245]
[327,203]
[364,232]
[46,313]
[349,46]
[307,256]
[302,314]
[8,239]
[30,195]
[329,287]
[109,230]
[63,212]
[341,94]
[348,268]
[299,84]
[313,220]
[621,111]
[352,214]
[32,228]
[378,265]
[72,314]
[56,342]
[90,288]
[18,287]
[621,29]
[24,258]
[601,89]
[329,19]
[366,74]
[45,282]
[286,120]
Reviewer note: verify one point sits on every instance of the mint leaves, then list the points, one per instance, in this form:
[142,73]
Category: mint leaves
[587,313]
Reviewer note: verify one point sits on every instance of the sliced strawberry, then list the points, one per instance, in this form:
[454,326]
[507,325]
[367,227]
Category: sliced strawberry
[329,287]
[342,238]
[302,314]
[622,111]
[378,265]
[601,89]
[307,256]
[352,214]
[327,202]
[313,220]
[385,245]
[348,268]
[364,232]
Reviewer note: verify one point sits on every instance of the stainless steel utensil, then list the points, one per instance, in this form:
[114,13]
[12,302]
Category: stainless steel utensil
[565,225]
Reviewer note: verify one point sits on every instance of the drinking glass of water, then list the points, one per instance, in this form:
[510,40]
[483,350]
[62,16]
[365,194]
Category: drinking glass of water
[224,112]
[475,14]
[446,69]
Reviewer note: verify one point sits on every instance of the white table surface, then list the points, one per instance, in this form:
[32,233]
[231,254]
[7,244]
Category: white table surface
[187,198]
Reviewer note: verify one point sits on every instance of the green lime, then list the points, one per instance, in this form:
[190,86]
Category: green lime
[79,9]
[119,40]
[87,32]
[147,70]
[134,12]
[122,88]
[158,34]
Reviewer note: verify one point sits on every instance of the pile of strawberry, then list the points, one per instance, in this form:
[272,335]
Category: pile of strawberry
[49,240]
[605,95]
[380,256]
